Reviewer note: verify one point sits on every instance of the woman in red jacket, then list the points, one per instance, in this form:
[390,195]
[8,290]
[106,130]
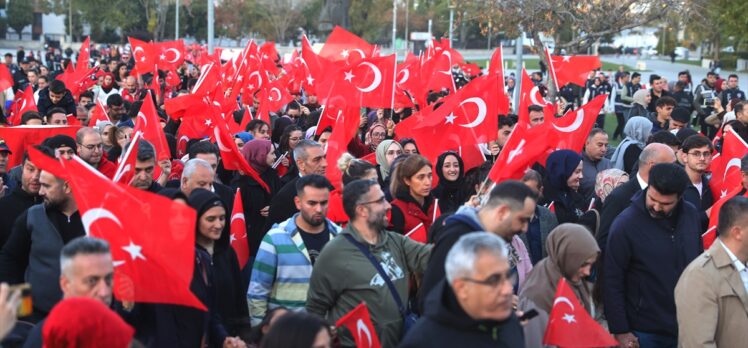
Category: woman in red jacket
[411,186]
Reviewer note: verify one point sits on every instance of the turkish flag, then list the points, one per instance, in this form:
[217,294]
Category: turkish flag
[6,79]
[21,138]
[126,168]
[84,55]
[569,324]
[573,69]
[269,57]
[144,55]
[726,174]
[277,95]
[439,72]
[319,68]
[230,155]
[418,234]
[522,149]
[344,46]
[572,129]
[47,163]
[358,322]
[24,101]
[72,120]
[98,114]
[496,67]
[408,80]
[335,211]
[239,231]
[170,54]
[346,127]
[711,233]
[530,95]
[149,123]
[209,80]
[369,82]
[444,45]
[143,261]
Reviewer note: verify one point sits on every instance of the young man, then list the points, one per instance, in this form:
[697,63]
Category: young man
[696,156]
[661,118]
[283,266]
[656,91]
[56,96]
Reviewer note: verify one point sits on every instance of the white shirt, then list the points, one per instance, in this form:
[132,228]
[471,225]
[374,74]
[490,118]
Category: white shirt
[641,181]
[739,266]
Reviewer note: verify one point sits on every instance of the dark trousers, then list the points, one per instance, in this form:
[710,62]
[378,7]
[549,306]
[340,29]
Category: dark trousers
[621,119]
[600,122]
[650,340]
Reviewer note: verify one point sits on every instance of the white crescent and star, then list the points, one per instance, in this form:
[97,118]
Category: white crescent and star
[575,125]
[563,299]
[134,250]
[95,214]
[377,78]
[734,162]
[141,116]
[135,53]
[406,75]
[534,93]
[275,92]
[221,146]
[481,104]
[514,153]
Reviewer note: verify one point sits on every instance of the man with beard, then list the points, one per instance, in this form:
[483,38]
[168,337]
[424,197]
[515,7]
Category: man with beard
[649,246]
[283,266]
[91,150]
[366,263]
[32,252]
[20,198]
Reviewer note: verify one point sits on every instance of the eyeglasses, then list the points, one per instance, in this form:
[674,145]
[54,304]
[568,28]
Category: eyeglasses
[705,154]
[495,279]
[378,201]
[378,135]
[294,139]
[92,147]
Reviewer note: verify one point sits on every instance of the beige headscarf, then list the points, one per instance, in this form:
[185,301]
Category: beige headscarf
[607,180]
[568,246]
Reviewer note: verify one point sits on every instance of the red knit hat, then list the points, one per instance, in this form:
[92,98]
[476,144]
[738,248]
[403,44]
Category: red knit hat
[83,323]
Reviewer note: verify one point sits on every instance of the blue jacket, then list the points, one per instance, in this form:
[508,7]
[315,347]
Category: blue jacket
[643,260]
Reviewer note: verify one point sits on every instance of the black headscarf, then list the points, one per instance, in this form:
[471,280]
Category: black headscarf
[280,125]
[451,194]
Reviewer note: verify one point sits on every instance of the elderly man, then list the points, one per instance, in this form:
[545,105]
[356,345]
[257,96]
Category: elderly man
[145,164]
[473,307]
[593,161]
[197,173]
[711,297]
[86,271]
[346,272]
[91,150]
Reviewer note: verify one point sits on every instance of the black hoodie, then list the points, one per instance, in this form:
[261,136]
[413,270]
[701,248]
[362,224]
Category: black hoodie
[445,324]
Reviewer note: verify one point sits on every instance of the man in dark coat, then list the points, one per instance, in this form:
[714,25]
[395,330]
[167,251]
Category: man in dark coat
[473,307]
[20,199]
[56,96]
[650,244]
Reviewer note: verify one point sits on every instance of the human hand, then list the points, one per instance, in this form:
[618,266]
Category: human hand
[234,342]
[9,302]
[627,340]
[265,211]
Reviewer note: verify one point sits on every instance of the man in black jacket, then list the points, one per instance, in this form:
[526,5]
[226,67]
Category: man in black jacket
[620,198]
[56,96]
[20,199]
[473,307]
[310,159]
[696,155]
[510,206]
[650,244]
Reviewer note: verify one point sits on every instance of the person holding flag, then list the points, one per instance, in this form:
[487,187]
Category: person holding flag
[572,250]
[473,307]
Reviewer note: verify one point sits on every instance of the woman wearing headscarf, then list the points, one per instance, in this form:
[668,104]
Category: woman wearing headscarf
[627,153]
[639,106]
[386,153]
[217,263]
[452,192]
[374,136]
[106,88]
[260,155]
[572,251]
[607,180]
[563,173]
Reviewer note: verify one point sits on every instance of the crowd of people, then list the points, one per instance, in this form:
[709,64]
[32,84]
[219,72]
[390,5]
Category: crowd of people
[622,226]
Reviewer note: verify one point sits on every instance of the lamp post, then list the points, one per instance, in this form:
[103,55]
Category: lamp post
[176,20]
[394,25]
[451,20]
[210,26]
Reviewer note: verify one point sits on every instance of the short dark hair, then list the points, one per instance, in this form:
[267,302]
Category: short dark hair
[202,147]
[57,87]
[668,179]
[45,78]
[255,124]
[9,55]
[696,141]
[53,111]
[663,137]
[681,114]
[505,121]
[114,100]
[596,131]
[510,192]
[146,152]
[86,94]
[293,105]
[711,73]
[352,193]
[294,330]
[733,212]
[666,101]
[534,108]
[732,76]
[313,180]
[738,108]
[31,115]
[653,78]
[635,75]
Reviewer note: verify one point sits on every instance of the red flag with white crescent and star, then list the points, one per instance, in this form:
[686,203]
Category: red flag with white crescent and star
[149,123]
[98,114]
[358,322]
[574,69]
[726,173]
[530,95]
[230,156]
[170,54]
[369,82]
[126,167]
[572,129]
[20,138]
[84,55]
[708,237]
[144,55]
[239,231]
[143,261]
[344,46]
[522,149]
[569,324]
[6,79]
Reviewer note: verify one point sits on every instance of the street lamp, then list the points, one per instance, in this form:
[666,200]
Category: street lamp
[452,7]
[210,26]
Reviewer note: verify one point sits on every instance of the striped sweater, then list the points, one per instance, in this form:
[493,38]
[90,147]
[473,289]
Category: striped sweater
[281,270]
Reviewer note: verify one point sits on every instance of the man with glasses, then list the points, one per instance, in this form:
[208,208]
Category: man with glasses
[477,292]
[91,150]
[345,273]
[696,156]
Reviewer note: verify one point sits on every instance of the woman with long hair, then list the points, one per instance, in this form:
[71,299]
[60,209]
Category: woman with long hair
[452,191]
[291,136]
[411,187]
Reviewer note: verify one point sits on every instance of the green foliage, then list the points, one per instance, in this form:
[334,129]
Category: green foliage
[20,14]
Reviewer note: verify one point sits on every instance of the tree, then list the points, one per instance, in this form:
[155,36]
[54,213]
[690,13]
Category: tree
[20,14]
[278,16]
